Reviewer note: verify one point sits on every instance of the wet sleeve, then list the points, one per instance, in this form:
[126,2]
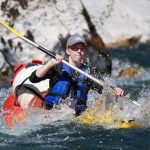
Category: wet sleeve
[55,71]
[34,79]
[97,87]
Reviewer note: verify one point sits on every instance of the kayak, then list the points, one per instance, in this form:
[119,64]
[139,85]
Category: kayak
[23,94]
[12,113]
[108,114]
[106,120]
[27,95]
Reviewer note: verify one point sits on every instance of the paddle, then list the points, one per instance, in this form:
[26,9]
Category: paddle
[53,56]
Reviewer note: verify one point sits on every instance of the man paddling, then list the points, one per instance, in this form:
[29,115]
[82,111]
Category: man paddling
[65,82]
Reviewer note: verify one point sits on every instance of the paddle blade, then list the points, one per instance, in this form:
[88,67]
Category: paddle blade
[11,29]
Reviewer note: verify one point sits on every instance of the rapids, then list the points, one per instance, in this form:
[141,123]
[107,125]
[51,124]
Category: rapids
[52,129]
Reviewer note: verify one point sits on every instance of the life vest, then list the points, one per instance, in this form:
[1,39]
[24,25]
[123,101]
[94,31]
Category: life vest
[61,88]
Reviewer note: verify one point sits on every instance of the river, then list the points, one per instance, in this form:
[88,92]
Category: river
[66,135]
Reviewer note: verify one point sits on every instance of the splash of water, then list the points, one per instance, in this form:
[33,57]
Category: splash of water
[113,112]
[103,110]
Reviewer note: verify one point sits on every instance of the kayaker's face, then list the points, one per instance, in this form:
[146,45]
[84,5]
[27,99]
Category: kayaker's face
[76,52]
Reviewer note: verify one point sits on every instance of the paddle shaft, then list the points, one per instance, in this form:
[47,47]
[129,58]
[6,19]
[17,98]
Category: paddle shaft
[49,53]
[54,56]
[63,61]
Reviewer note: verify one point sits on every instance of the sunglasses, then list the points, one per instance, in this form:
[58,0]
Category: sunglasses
[77,48]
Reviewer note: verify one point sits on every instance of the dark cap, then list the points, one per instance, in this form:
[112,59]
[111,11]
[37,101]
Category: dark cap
[76,38]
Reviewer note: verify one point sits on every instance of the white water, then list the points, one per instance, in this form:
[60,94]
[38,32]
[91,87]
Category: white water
[126,109]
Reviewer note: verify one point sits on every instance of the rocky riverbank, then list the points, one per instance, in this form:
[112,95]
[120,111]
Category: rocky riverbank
[105,23]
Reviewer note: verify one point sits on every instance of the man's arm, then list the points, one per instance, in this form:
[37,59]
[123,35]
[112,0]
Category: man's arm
[118,91]
[46,70]
[41,72]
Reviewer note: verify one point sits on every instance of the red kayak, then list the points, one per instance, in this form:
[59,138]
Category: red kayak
[14,108]
[12,113]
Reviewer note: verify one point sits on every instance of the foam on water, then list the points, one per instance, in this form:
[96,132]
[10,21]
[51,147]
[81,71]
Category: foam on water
[108,108]
[37,118]
[141,76]
[105,104]
[120,109]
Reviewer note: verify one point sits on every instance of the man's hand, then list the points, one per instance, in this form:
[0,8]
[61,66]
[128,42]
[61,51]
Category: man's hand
[118,91]
[57,60]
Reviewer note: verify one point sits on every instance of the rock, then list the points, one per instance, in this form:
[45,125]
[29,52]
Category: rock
[67,18]
[115,19]
[125,42]
[129,72]
[44,22]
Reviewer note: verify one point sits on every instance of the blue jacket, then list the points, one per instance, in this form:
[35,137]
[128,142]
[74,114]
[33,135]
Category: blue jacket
[62,87]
